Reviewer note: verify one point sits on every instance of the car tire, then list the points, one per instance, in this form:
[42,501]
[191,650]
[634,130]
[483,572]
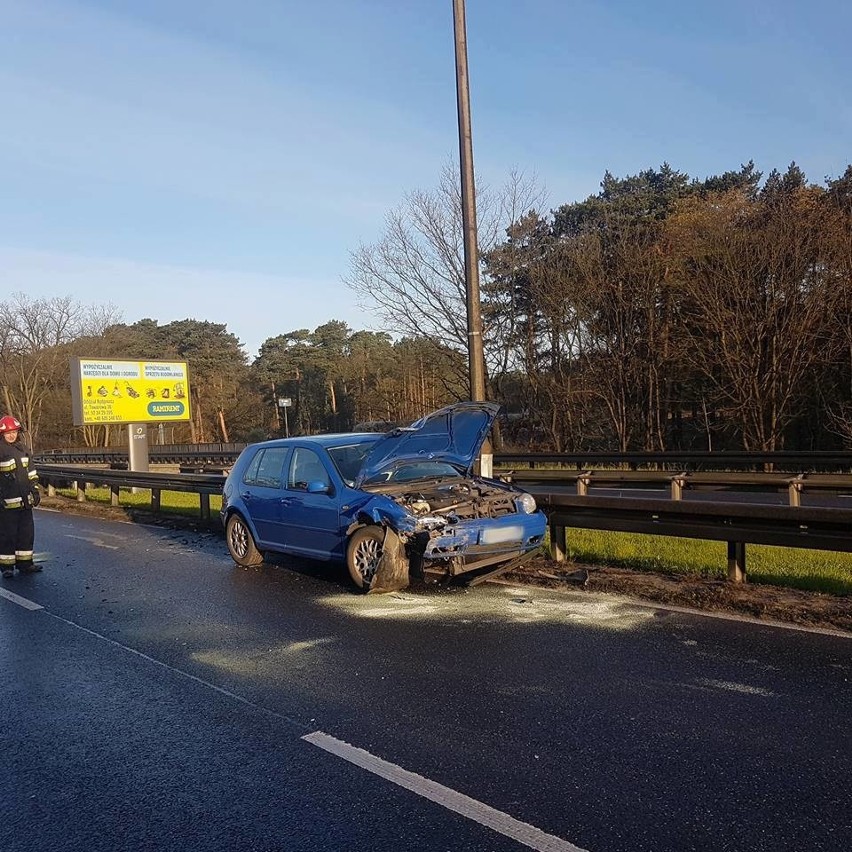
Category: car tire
[363,554]
[241,544]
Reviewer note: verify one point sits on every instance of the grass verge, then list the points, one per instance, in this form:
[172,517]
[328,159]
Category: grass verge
[810,570]
[171,502]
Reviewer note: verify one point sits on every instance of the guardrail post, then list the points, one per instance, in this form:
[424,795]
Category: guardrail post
[583,483]
[677,483]
[205,506]
[736,561]
[557,542]
[794,490]
[51,489]
[155,499]
[80,489]
[113,495]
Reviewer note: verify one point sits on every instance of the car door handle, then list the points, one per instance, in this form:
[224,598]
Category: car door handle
[246,495]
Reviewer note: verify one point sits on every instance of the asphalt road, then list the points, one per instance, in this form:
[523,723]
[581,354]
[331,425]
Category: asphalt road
[161,698]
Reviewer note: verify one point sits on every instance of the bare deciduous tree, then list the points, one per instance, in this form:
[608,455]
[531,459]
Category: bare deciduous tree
[33,358]
[758,292]
[413,278]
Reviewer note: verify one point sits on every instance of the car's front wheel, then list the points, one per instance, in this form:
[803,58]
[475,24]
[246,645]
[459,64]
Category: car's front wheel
[363,555]
[241,544]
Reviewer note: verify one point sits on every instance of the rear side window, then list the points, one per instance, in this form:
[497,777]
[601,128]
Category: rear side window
[266,468]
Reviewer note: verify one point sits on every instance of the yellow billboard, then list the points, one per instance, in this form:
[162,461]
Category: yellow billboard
[105,391]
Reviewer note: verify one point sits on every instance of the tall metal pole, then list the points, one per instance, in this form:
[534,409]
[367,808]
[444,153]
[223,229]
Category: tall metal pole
[468,191]
[476,354]
[276,415]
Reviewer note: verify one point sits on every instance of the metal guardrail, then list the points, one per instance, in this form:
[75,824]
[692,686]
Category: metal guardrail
[677,483]
[812,527]
[224,455]
[817,528]
[203,484]
[197,455]
[687,460]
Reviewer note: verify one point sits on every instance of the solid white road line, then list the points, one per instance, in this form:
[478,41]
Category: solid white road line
[17,599]
[485,815]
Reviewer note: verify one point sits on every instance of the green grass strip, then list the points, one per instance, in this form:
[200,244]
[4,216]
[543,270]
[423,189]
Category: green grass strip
[171,502]
[812,570]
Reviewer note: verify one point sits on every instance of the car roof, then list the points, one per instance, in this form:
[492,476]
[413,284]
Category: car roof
[334,440]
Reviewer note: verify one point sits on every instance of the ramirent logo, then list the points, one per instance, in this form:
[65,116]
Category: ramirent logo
[165,409]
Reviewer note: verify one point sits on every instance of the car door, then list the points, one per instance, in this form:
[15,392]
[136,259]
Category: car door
[262,491]
[311,519]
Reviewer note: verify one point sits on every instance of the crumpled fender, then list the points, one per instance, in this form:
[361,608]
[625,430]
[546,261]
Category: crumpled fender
[383,511]
[392,571]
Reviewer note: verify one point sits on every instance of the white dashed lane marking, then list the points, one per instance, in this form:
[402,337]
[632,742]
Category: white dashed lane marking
[502,823]
[97,542]
[17,599]
[731,686]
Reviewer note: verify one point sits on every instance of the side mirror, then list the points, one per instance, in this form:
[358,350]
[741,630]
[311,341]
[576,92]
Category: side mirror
[318,487]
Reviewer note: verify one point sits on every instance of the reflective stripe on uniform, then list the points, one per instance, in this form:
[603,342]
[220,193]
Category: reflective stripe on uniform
[33,474]
[24,555]
[14,502]
[7,465]
[7,560]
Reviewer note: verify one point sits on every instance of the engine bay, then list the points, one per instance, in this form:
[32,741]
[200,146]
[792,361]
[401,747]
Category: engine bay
[457,500]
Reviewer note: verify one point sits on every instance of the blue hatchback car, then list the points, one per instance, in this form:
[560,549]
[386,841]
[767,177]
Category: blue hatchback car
[392,506]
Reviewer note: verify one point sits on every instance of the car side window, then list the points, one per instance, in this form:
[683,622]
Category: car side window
[266,468]
[306,467]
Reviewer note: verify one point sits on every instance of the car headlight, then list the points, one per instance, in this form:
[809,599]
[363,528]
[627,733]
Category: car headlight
[429,522]
[526,503]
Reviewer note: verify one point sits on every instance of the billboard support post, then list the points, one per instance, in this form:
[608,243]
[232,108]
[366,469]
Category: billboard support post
[137,444]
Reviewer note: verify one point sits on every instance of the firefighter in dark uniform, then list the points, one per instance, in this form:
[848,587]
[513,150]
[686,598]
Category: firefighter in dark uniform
[18,495]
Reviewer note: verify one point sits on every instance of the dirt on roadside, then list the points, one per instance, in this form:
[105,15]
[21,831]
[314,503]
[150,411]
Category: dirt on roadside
[756,600]
[772,603]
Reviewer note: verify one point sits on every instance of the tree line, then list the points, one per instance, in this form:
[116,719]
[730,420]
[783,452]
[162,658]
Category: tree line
[663,312]
[335,378]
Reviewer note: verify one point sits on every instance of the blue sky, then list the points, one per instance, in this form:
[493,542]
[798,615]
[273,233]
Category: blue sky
[219,160]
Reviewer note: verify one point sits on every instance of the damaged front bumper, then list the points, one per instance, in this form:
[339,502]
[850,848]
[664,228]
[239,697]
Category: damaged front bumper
[500,544]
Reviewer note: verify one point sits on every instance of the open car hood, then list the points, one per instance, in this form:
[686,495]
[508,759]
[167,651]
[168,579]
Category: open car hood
[453,434]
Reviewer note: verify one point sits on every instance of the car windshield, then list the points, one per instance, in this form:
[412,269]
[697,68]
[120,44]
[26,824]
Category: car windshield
[348,458]
[417,470]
